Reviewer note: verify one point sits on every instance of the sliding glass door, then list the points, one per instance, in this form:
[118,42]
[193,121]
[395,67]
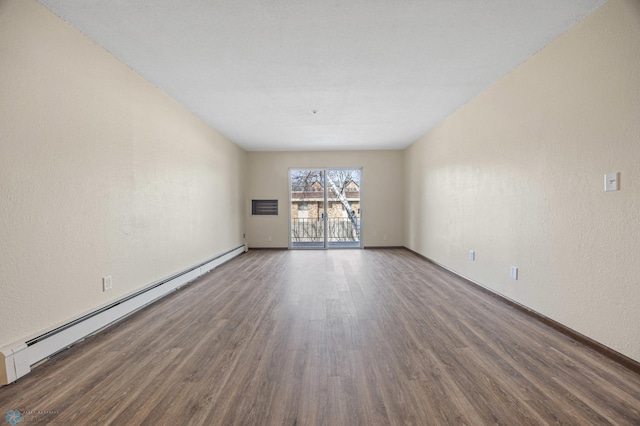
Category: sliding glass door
[325,208]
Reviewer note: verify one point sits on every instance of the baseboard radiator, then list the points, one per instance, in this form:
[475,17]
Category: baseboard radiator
[16,360]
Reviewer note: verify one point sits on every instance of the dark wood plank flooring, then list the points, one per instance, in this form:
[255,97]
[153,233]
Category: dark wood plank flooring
[346,337]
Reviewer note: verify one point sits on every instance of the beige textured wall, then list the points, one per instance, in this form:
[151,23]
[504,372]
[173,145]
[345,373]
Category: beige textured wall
[517,175]
[100,174]
[382,193]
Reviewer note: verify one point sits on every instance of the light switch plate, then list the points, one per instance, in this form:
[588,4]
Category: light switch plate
[612,182]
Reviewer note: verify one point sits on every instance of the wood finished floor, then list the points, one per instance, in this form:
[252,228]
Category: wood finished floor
[349,337]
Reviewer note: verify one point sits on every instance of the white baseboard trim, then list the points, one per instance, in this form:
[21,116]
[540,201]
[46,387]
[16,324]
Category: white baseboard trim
[16,360]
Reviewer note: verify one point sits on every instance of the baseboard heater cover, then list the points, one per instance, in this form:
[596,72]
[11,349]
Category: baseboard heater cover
[16,360]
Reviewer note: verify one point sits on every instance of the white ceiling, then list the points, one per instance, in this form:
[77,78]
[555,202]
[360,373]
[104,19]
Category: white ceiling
[322,74]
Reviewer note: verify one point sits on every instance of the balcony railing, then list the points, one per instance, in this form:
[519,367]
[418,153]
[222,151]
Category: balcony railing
[312,230]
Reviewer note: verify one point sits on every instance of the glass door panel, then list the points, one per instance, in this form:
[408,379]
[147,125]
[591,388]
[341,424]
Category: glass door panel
[343,208]
[307,210]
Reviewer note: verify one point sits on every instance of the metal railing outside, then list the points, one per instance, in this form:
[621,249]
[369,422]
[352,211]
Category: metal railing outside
[312,230]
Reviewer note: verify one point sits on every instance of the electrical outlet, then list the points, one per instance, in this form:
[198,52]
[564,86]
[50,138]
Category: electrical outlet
[514,273]
[269,238]
[472,255]
[384,237]
[244,236]
[107,283]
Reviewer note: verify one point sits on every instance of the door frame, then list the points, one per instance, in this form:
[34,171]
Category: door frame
[325,245]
